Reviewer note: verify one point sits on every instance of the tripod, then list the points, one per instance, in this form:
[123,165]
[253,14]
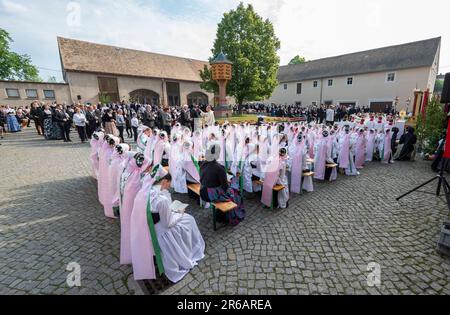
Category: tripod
[443,183]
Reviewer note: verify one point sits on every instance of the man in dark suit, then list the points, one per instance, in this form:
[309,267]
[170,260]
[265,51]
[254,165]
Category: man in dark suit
[92,121]
[194,114]
[185,118]
[62,120]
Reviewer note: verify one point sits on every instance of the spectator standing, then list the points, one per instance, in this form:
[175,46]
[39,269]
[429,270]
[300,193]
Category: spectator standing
[135,126]
[127,115]
[330,116]
[79,119]
[92,121]
[61,119]
[166,120]
[120,122]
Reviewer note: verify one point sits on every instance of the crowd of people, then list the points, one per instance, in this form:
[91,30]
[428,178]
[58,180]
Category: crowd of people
[227,162]
[56,121]
[312,113]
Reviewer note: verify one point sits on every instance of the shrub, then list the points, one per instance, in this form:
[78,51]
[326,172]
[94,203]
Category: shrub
[430,127]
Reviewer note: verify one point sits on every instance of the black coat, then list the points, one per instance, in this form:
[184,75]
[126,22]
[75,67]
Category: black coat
[185,118]
[60,117]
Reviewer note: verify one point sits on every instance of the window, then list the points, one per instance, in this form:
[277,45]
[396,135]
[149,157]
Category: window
[391,77]
[315,84]
[285,86]
[31,93]
[329,102]
[330,82]
[49,94]
[298,104]
[350,81]
[299,88]
[12,93]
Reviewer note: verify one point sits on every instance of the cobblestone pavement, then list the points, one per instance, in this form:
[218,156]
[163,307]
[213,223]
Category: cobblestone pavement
[322,244]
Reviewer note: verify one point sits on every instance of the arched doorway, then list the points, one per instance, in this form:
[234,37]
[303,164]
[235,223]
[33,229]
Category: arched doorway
[197,98]
[144,96]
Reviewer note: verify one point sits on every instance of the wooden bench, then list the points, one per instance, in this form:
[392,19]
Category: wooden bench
[331,165]
[223,207]
[276,188]
[309,174]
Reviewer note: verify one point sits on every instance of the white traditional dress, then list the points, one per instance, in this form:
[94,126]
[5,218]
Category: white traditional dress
[182,245]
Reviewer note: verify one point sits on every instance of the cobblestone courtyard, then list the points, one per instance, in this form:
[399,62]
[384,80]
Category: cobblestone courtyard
[322,244]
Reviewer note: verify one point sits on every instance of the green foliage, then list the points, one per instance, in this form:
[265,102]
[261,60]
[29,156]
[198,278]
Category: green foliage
[297,60]
[430,127]
[208,84]
[12,65]
[250,43]
[104,98]
[439,86]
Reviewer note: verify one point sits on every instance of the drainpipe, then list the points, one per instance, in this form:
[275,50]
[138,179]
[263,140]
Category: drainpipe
[163,94]
[321,92]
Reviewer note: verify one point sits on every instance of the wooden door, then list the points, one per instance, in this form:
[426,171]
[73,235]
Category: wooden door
[109,86]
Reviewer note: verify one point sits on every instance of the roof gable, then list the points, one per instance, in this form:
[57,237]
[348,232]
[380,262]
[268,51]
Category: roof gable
[406,56]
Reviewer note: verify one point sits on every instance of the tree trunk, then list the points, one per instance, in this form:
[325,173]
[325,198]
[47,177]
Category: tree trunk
[240,106]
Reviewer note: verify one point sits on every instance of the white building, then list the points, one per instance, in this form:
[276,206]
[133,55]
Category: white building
[374,78]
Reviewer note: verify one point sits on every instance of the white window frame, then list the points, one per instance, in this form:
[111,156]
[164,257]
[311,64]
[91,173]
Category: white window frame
[348,79]
[301,88]
[387,77]
[50,98]
[328,82]
[315,84]
[285,86]
[12,89]
[32,97]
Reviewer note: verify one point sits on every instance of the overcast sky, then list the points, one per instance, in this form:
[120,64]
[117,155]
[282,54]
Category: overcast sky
[312,28]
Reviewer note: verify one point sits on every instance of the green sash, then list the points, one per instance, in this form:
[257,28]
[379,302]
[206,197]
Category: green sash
[197,166]
[142,143]
[241,178]
[155,243]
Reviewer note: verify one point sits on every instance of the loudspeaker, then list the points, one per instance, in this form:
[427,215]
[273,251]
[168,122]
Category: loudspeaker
[79,97]
[445,98]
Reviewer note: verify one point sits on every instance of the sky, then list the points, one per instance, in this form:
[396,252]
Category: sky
[186,28]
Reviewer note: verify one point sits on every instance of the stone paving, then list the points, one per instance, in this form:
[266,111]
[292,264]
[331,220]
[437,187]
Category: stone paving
[322,244]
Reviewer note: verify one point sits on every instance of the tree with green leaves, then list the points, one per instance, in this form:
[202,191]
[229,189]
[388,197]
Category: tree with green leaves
[14,66]
[439,86]
[250,43]
[297,60]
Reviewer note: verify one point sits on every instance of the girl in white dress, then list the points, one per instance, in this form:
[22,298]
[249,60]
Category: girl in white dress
[182,245]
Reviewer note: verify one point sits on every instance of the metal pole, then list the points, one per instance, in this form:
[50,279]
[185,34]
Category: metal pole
[417,188]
